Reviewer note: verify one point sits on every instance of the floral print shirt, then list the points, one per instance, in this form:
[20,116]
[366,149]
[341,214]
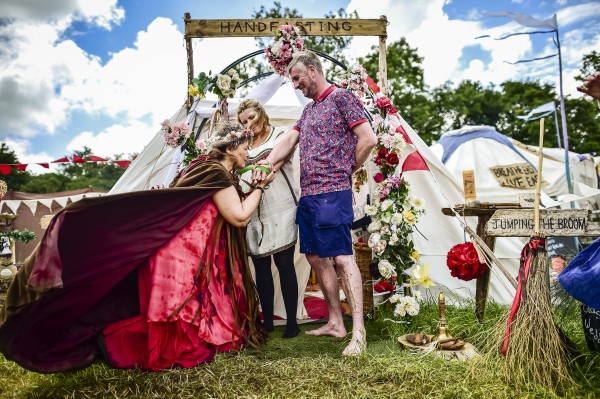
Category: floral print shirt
[327,142]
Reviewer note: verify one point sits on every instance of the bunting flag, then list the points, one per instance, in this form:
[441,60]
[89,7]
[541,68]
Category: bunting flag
[5,169]
[414,161]
[545,110]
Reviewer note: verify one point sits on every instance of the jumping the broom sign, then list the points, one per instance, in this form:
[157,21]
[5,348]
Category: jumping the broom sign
[553,222]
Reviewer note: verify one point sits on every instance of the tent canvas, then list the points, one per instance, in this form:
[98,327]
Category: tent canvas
[481,148]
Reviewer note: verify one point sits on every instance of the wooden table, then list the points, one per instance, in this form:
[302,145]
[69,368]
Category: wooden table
[483,216]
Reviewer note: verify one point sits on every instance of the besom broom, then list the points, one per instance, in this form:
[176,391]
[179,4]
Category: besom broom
[533,349]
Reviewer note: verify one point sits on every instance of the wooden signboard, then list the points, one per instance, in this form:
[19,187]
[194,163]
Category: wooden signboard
[469,185]
[269,26]
[553,222]
[517,175]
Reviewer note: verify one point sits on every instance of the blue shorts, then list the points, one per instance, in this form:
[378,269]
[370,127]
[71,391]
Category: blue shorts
[325,224]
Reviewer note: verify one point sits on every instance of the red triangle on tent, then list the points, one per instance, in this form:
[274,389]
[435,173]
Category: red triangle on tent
[63,159]
[78,159]
[372,85]
[414,161]
[22,166]
[123,164]
[400,129]
[96,159]
[5,169]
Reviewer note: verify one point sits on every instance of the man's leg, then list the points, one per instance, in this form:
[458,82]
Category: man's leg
[329,286]
[352,285]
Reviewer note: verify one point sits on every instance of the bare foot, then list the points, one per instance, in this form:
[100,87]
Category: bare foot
[329,329]
[356,347]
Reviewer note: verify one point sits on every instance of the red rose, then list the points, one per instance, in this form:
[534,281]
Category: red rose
[463,262]
[383,286]
[384,102]
[392,159]
[382,153]
[378,177]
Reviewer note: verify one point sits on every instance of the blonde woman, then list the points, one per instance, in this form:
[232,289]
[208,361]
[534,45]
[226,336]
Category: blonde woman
[272,232]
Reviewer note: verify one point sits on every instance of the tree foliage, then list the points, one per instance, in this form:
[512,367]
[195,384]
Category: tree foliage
[15,179]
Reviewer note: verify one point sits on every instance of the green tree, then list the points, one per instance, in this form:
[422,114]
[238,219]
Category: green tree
[406,87]
[591,64]
[15,179]
[46,183]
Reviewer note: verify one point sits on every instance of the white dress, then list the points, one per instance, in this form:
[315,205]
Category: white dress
[273,226]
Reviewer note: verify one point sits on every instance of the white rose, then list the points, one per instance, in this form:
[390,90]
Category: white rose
[371,210]
[276,48]
[386,217]
[374,226]
[397,218]
[395,298]
[394,239]
[386,269]
[223,82]
[399,310]
[373,239]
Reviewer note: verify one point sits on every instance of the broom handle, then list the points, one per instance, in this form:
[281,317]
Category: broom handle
[538,186]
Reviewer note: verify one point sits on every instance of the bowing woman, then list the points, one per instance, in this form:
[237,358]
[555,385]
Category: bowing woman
[152,279]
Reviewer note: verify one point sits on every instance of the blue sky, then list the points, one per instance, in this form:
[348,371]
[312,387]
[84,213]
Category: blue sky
[104,73]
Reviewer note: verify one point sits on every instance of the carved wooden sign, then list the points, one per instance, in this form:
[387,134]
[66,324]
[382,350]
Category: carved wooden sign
[553,222]
[270,26]
[517,175]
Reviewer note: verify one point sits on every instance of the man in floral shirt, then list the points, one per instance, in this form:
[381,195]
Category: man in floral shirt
[335,139]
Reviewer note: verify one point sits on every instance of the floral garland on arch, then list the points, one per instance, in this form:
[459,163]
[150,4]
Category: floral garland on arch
[395,211]
[287,42]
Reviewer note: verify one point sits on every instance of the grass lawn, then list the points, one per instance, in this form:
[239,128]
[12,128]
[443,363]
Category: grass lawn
[312,367]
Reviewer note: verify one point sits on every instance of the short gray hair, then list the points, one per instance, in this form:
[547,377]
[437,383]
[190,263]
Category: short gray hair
[303,60]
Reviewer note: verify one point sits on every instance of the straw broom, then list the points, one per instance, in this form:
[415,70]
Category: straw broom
[532,344]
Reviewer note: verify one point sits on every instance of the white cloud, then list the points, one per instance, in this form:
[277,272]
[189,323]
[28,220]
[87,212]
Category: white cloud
[117,139]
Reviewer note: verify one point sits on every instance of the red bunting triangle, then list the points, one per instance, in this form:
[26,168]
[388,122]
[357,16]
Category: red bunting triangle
[123,164]
[401,130]
[96,159]
[372,85]
[414,162]
[5,169]
[63,159]
[78,159]
[21,167]
[45,165]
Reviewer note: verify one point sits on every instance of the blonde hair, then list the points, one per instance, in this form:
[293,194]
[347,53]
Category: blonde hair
[253,104]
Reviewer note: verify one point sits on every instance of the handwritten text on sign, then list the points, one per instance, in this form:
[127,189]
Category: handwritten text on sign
[517,175]
[553,222]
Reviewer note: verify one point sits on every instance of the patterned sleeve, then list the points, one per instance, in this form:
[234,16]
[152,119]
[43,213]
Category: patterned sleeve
[351,107]
[301,120]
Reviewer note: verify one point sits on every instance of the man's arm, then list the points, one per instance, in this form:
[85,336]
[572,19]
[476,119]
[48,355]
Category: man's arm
[591,86]
[282,149]
[367,140]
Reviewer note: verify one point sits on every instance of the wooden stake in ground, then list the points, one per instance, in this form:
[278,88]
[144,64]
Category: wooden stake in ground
[532,346]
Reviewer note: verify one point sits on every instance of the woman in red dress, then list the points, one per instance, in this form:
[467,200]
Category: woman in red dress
[152,279]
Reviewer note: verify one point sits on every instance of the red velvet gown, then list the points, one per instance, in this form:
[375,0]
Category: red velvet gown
[165,334]
[157,277]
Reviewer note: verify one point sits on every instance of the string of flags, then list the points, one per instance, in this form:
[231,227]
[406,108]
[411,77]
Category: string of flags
[6,168]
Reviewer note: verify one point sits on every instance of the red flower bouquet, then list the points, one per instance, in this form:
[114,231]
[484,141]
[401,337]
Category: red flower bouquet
[383,286]
[463,262]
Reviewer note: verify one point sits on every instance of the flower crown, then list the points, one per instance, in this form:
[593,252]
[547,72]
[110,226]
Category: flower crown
[231,137]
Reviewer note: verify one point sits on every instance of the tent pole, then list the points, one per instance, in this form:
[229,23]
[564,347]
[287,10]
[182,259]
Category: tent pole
[190,60]
[382,59]
[563,116]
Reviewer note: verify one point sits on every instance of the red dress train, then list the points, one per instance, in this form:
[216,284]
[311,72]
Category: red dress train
[167,334]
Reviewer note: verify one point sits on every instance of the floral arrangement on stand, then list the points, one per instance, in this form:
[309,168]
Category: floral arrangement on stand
[463,262]
[396,265]
[287,42]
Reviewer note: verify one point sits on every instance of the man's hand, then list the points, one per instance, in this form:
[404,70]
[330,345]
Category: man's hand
[591,86]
